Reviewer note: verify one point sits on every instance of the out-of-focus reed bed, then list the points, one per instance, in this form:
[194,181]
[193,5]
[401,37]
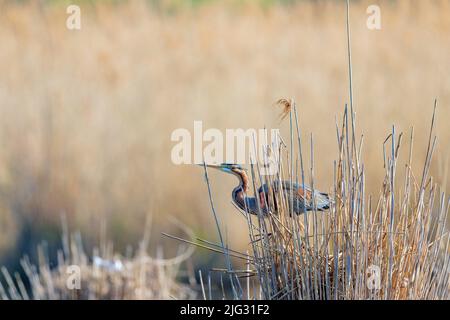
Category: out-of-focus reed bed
[103,275]
[394,246]
[87,115]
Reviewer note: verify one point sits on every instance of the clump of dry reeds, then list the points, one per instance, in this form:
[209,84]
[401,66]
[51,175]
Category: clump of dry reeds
[393,247]
[104,275]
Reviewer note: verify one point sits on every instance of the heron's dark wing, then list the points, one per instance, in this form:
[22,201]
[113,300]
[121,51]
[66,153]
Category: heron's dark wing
[300,198]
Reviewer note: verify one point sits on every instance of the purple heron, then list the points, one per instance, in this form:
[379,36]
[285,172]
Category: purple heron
[301,200]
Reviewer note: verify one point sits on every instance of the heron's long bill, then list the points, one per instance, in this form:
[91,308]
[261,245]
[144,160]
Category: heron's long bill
[215,166]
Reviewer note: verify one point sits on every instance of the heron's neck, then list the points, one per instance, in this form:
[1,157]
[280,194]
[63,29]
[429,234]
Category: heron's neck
[240,191]
[243,182]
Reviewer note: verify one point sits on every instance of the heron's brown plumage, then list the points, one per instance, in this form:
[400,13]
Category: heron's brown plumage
[266,199]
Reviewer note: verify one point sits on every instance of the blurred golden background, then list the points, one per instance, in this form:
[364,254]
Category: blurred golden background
[87,115]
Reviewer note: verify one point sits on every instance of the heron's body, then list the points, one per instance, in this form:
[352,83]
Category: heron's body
[300,199]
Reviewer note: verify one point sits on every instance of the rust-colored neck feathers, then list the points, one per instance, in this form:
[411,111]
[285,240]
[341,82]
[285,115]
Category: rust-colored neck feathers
[243,179]
[241,189]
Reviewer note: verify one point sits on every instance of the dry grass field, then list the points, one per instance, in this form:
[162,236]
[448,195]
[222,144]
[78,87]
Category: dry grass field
[86,116]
